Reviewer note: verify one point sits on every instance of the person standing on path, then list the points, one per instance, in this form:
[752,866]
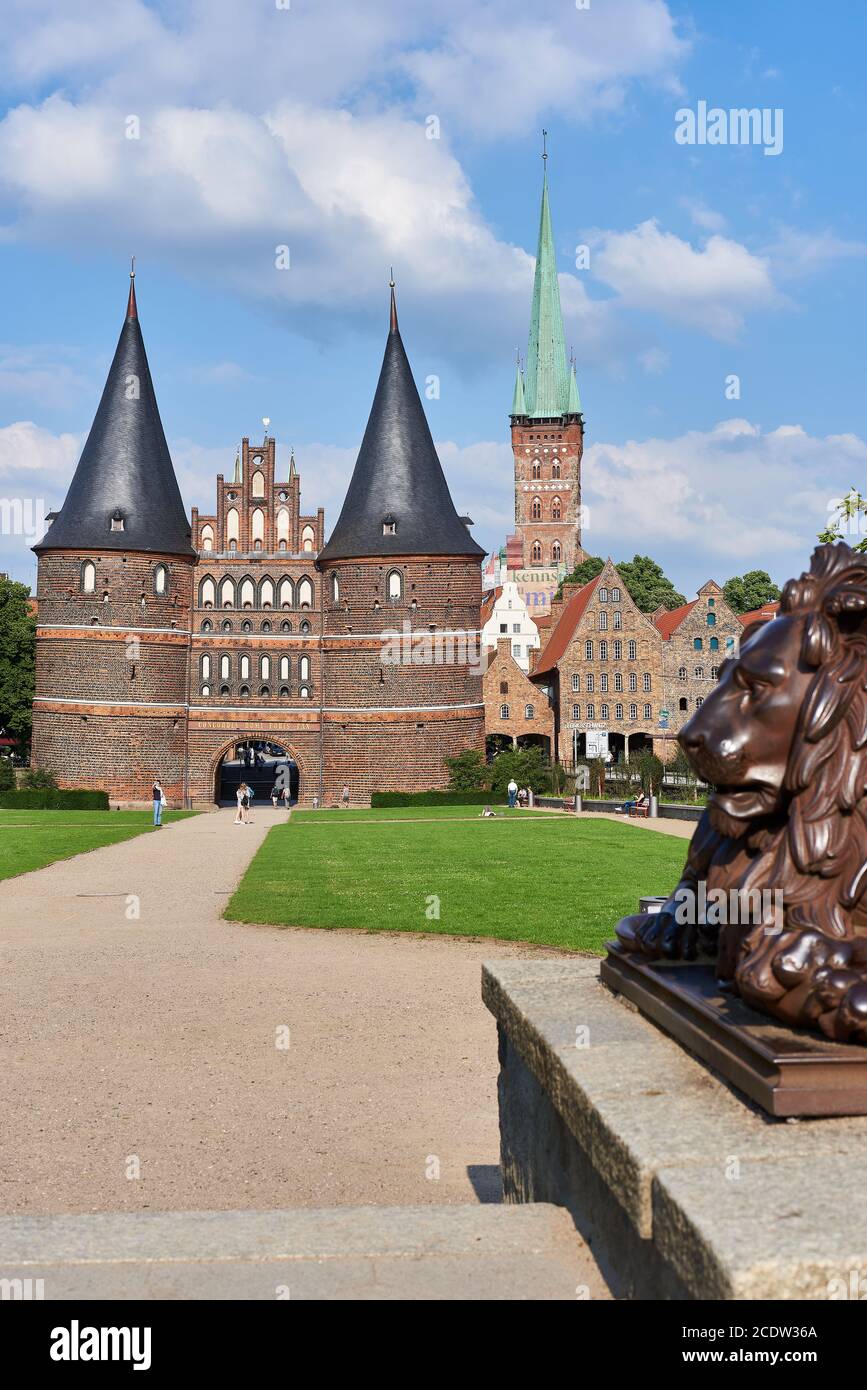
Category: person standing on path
[512,789]
[159,797]
[345,797]
[238,794]
[246,798]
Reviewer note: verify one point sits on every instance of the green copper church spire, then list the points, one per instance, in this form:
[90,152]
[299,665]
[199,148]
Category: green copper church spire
[546,381]
[574,403]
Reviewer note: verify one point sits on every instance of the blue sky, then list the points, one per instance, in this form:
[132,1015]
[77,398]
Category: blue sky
[257,126]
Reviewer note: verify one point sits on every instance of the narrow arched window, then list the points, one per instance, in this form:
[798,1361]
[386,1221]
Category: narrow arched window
[556,553]
[536,509]
[304,668]
[207,537]
[537,469]
[395,586]
[248,593]
[537,552]
[266,594]
[225,668]
[233,526]
[207,593]
[283,528]
[206,668]
[556,509]
[335,589]
[265,668]
[308,536]
[161,576]
[257,484]
[555,469]
[88,577]
[286,593]
[244,668]
[284,668]
[305,593]
[257,528]
[227,593]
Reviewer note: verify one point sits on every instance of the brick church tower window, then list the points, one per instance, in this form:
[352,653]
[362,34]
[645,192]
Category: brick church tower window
[556,509]
[536,509]
[224,668]
[305,594]
[556,553]
[395,586]
[286,593]
[304,668]
[207,537]
[284,668]
[265,668]
[207,593]
[257,485]
[227,593]
[335,589]
[257,528]
[206,668]
[266,594]
[248,593]
[161,575]
[244,668]
[88,577]
[282,529]
[233,527]
[307,539]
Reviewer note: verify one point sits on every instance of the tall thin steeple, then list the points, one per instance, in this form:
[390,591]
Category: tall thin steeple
[518,404]
[398,501]
[546,381]
[124,494]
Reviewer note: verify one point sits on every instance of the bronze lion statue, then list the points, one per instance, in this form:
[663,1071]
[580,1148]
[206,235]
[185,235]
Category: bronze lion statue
[783,741]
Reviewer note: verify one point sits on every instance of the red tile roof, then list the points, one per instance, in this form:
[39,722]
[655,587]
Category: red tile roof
[488,601]
[760,615]
[668,623]
[563,633]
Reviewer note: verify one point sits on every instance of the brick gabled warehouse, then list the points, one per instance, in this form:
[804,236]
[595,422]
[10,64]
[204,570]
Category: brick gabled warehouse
[164,645]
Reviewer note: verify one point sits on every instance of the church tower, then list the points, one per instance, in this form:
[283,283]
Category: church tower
[547,426]
[114,584]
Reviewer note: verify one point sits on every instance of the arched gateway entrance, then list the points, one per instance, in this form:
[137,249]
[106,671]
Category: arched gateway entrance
[261,763]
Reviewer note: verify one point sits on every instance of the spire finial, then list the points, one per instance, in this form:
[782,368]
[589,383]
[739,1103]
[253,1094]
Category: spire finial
[545,150]
[131,309]
[393,322]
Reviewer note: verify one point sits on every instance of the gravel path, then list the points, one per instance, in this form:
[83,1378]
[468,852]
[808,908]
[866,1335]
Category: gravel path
[140,1060]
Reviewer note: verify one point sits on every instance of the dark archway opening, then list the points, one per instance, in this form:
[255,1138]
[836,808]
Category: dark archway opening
[263,765]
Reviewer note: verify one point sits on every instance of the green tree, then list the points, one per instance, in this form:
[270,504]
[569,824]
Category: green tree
[646,583]
[7,775]
[38,778]
[745,592]
[528,766]
[651,770]
[17,661]
[649,587]
[583,573]
[847,521]
[467,772]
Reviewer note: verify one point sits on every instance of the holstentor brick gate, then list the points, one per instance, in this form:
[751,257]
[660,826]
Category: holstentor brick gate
[164,642]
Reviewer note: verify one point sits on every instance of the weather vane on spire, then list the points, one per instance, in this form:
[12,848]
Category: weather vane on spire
[545,148]
[132,268]
[391,277]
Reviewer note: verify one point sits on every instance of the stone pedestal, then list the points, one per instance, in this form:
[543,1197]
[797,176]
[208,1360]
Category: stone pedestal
[682,1187]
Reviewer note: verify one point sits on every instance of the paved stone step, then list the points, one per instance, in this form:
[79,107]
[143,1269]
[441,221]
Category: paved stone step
[522,1252]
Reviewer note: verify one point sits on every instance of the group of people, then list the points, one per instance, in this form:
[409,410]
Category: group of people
[518,796]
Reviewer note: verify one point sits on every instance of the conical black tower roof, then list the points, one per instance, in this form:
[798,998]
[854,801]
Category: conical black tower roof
[125,470]
[398,479]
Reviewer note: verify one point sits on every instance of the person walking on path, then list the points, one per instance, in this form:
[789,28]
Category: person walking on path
[512,789]
[246,798]
[238,794]
[345,797]
[159,801]
[275,795]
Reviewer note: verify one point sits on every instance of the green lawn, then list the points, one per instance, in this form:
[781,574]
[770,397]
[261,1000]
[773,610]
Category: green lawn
[540,877]
[32,839]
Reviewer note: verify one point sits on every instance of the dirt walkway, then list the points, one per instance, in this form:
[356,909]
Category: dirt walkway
[143,1040]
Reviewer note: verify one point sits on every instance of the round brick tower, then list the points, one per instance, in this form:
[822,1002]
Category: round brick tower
[114,587]
[401,596]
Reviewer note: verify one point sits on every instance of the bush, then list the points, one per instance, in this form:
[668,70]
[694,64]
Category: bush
[52,799]
[468,771]
[37,778]
[7,775]
[438,798]
[528,766]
